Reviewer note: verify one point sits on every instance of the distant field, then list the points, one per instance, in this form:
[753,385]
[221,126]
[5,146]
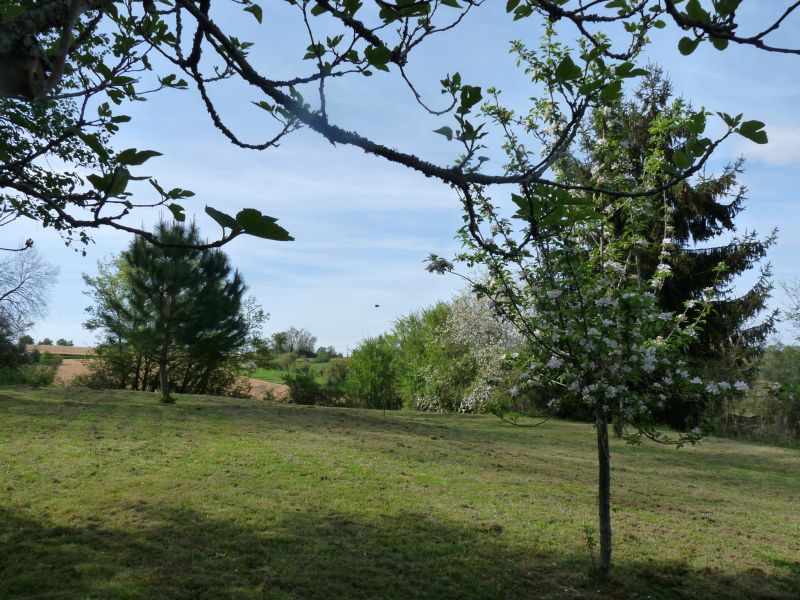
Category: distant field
[113,495]
[277,375]
[67,351]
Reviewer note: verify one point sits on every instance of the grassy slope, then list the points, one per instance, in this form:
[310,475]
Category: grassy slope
[111,495]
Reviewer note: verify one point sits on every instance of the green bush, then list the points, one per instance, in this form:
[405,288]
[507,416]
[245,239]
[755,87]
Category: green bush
[285,360]
[372,374]
[780,363]
[303,386]
[770,414]
[27,375]
[46,358]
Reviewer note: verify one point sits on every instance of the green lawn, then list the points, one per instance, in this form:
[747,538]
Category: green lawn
[113,495]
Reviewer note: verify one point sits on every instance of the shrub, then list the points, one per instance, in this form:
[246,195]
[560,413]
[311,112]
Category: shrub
[46,358]
[372,374]
[303,386]
[285,360]
[27,375]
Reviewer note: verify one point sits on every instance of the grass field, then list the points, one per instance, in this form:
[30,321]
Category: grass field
[113,495]
[277,375]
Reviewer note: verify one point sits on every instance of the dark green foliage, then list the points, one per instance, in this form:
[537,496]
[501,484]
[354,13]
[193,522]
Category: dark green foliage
[173,308]
[36,375]
[14,367]
[303,386]
[11,354]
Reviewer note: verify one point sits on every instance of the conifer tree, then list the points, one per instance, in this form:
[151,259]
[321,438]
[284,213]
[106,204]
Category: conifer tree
[172,304]
[702,247]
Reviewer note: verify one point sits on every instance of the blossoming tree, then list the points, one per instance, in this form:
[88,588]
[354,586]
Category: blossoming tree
[569,282]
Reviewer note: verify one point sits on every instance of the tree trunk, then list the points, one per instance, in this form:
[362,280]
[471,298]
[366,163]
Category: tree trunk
[137,372]
[164,377]
[604,494]
[145,373]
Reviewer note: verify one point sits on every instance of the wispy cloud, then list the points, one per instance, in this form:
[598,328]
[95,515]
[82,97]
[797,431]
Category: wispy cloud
[783,148]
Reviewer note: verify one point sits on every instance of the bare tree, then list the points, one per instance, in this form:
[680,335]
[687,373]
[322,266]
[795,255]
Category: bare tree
[26,279]
[792,312]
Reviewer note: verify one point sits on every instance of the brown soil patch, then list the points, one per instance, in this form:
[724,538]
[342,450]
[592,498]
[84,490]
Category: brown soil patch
[69,368]
[260,390]
[73,350]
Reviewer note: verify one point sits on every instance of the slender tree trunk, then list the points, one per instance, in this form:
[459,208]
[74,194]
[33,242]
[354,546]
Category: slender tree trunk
[136,372]
[604,493]
[163,373]
[145,373]
[185,381]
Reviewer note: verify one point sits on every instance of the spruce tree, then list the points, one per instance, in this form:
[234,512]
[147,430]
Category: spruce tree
[689,226]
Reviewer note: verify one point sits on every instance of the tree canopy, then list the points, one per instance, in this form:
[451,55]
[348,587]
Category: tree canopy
[70,69]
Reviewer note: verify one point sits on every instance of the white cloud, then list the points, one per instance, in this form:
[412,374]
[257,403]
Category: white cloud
[783,148]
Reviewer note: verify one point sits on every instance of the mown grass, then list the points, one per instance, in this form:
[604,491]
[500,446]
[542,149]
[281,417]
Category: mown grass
[113,495]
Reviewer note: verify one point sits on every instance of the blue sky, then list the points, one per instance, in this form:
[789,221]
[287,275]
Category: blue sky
[363,226]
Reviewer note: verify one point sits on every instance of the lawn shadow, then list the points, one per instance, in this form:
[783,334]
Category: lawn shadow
[182,554]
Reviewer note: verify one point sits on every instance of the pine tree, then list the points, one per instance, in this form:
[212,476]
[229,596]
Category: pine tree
[174,305]
[679,226]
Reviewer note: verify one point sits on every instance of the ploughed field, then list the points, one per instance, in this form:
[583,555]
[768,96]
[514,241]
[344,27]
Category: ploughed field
[113,495]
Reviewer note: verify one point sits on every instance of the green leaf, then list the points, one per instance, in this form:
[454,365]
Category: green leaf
[470,96]
[111,184]
[263,226]
[754,131]
[177,212]
[445,131]
[317,10]
[681,159]
[132,156]
[628,69]
[612,92]
[729,120]
[95,144]
[696,12]
[119,181]
[567,70]
[225,220]
[719,43]
[523,204]
[511,5]
[256,11]
[450,3]
[378,56]
[99,182]
[726,7]
[687,45]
